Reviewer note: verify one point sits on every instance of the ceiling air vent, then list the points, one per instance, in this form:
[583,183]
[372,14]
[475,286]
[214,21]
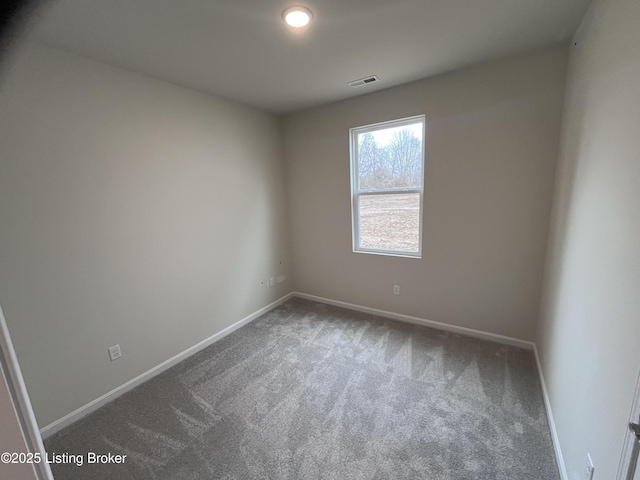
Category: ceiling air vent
[364,81]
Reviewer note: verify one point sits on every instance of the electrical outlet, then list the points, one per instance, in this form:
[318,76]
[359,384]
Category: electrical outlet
[589,468]
[115,352]
[396,289]
[272,281]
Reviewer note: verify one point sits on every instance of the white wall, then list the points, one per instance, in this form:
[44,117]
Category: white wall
[590,321]
[132,211]
[491,147]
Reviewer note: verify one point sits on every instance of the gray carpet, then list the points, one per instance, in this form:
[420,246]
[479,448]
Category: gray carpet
[310,391]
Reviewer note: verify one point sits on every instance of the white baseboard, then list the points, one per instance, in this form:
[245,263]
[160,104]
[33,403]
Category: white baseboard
[134,382]
[469,332]
[552,424]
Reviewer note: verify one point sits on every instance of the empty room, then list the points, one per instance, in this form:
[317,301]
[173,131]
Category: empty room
[247,239]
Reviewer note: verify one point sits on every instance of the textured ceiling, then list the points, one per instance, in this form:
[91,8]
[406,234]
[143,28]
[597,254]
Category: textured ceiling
[241,49]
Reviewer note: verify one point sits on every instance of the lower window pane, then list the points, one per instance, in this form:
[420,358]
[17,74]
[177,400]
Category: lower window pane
[390,221]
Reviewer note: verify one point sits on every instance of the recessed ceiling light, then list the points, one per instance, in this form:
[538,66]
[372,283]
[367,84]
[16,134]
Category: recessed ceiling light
[297,16]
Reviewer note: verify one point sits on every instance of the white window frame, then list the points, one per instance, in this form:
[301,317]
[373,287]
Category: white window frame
[356,192]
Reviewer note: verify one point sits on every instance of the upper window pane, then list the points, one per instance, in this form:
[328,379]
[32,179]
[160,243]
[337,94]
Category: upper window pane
[390,157]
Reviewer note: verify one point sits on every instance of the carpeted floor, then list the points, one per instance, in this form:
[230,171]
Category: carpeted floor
[310,391]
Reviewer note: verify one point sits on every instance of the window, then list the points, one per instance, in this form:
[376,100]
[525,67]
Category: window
[387,177]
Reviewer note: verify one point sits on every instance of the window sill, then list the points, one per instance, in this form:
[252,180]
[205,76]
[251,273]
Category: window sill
[390,253]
